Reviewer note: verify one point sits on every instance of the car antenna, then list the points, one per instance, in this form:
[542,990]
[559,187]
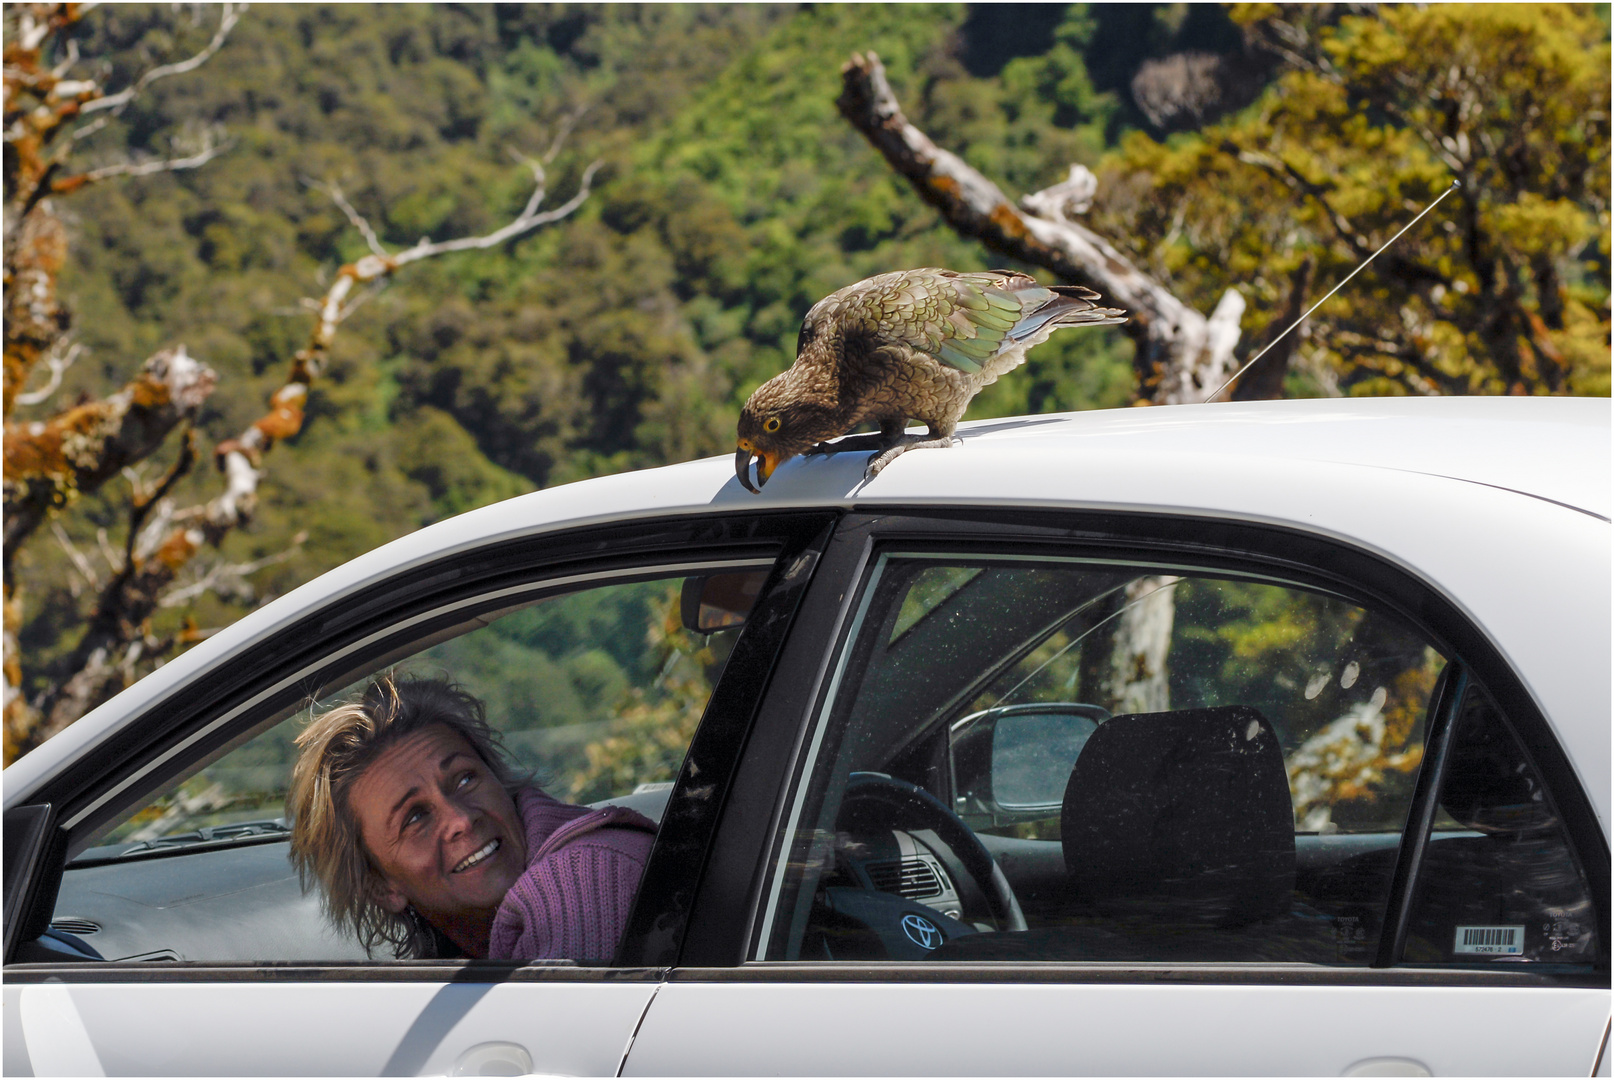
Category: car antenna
[1455,184]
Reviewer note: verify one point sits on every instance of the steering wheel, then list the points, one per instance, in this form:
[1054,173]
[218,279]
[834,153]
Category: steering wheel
[881,801]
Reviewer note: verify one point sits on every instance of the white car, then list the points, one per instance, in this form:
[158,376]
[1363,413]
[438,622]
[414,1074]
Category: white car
[1225,739]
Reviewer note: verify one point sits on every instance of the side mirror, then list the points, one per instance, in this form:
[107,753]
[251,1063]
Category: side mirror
[1012,764]
[719,601]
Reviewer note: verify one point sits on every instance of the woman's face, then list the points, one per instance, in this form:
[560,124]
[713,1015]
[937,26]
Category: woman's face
[441,830]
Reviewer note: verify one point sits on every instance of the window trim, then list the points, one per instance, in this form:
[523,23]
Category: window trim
[958,972]
[799,693]
[1421,814]
[674,876]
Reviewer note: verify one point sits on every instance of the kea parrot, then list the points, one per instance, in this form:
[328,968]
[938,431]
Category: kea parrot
[914,344]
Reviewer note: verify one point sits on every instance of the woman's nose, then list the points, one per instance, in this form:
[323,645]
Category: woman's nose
[456,818]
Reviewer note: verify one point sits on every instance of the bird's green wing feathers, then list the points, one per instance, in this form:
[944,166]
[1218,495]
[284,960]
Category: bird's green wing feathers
[960,319]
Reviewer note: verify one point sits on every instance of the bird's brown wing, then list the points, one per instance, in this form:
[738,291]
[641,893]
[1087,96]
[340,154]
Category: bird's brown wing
[962,320]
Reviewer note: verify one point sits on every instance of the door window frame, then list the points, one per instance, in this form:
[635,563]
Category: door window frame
[354,634]
[722,931]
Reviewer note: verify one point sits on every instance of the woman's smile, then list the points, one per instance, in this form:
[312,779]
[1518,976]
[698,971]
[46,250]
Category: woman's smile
[476,857]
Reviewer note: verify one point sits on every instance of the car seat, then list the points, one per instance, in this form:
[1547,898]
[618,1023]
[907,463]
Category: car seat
[1178,837]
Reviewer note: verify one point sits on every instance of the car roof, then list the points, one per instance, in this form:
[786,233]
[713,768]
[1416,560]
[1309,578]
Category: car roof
[1362,470]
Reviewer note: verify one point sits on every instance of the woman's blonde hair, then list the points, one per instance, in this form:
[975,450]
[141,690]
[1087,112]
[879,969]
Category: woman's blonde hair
[337,746]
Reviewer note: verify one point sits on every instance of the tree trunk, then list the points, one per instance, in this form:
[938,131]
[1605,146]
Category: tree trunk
[1123,663]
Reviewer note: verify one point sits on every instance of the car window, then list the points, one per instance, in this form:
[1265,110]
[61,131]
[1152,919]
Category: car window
[1059,759]
[595,693]
[1498,883]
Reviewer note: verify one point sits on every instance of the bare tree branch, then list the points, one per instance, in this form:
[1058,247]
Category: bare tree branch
[354,217]
[80,563]
[142,501]
[66,185]
[51,462]
[230,577]
[120,101]
[58,362]
[528,220]
[567,124]
[1181,355]
[100,664]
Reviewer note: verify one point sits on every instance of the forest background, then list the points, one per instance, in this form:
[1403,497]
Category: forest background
[731,196]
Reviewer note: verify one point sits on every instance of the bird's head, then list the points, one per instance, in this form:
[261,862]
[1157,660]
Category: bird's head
[779,421]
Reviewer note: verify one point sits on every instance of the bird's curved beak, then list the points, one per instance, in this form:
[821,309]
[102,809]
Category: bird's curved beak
[766,463]
[742,469]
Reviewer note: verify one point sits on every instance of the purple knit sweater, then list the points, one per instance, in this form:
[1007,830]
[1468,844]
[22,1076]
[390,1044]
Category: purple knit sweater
[583,868]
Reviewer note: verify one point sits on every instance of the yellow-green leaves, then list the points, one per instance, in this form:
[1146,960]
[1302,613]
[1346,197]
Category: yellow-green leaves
[1504,289]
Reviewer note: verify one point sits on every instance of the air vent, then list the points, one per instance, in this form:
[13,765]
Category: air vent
[912,879]
[73,925]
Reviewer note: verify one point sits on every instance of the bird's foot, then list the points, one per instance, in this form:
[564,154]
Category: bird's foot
[909,442]
[870,441]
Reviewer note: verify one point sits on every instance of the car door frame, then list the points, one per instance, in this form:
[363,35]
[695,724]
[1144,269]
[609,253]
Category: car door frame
[720,934]
[249,691]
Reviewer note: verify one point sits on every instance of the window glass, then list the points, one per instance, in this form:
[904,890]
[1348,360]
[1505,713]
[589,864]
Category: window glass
[595,694]
[1498,882]
[1039,758]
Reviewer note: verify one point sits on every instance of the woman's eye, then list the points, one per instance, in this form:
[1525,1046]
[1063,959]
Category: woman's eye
[465,780]
[414,816]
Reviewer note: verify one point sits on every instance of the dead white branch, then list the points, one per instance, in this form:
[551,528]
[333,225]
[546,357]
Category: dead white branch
[229,579]
[379,264]
[118,102]
[1066,199]
[211,149]
[565,129]
[113,560]
[58,361]
[80,563]
[528,220]
[355,218]
[237,457]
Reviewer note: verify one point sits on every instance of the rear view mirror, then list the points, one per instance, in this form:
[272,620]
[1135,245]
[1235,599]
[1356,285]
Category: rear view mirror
[1012,763]
[719,601]
[1033,753]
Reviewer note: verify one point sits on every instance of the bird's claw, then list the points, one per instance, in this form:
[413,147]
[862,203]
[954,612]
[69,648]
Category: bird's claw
[879,461]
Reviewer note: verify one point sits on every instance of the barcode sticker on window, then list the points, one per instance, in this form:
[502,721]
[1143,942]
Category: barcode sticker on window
[1490,940]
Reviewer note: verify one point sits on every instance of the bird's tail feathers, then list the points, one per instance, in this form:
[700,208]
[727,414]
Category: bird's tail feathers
[1071,305]
[1086,312]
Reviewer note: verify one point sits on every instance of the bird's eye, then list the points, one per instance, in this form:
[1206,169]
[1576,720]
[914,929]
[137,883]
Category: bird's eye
[771,425]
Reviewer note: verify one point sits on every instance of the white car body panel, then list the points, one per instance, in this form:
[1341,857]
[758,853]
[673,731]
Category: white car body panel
[1007,1029]
[337,1028]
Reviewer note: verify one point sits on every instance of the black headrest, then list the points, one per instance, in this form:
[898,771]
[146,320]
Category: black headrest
[1182,815]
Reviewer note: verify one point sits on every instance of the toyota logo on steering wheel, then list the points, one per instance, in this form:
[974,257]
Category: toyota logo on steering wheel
[921,931]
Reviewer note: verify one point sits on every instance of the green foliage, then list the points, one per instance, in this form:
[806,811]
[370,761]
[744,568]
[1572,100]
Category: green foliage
[597,691]
[1503,289]
[594,693]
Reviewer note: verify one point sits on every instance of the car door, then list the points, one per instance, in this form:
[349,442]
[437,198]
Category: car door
[155,926]
[1046,793]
